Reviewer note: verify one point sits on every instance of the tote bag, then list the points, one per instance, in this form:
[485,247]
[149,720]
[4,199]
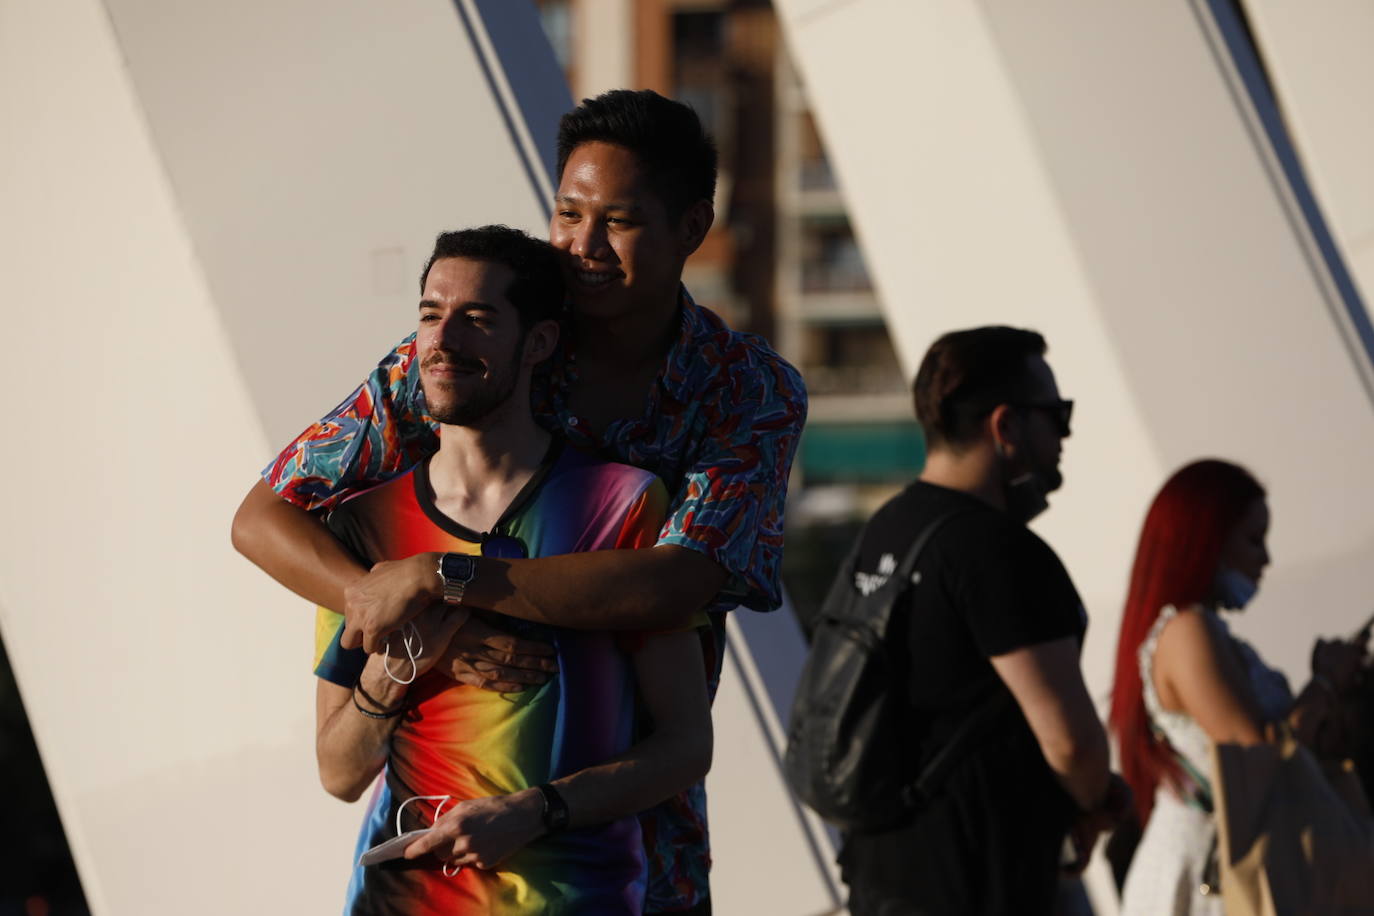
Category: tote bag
[1293,837]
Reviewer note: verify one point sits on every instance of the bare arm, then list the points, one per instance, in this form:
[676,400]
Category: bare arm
[351,747]
[1197,672]
[293,547]
[653,589]
[672,683]
[1321,718]
[657,588]
[1048,686]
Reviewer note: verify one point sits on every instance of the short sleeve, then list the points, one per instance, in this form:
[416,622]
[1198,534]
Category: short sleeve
[378,432]
[1015,591]
[730,504]
[333,662]
[644,518]
[640,529]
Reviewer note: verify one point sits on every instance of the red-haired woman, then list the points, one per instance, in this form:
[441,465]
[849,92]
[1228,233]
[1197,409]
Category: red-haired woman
[1183,682]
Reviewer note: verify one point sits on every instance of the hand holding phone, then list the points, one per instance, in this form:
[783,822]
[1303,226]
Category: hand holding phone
[393,848]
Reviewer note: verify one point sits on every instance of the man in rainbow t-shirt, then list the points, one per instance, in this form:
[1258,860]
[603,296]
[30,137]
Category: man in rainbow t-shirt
[642,375]
[531,796]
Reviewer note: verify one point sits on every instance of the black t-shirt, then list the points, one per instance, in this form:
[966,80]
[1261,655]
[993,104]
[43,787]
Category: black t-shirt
[987,586]
[984,585]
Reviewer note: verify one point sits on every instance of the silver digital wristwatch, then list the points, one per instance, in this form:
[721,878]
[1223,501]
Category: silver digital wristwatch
[457,570]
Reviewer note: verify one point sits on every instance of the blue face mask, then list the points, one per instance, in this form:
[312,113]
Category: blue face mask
[1234,590]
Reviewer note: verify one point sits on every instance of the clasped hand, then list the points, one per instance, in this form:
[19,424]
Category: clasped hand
[1116,803]
[1338,661]
[477,653]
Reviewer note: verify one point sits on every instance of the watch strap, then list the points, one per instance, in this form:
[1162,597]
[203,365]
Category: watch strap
[454,589]
[456,586]
[555,813]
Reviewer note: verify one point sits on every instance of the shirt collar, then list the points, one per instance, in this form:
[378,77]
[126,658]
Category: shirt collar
[682,360]
[683,356]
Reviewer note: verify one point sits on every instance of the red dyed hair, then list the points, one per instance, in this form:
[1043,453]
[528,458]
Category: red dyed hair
[1175,563]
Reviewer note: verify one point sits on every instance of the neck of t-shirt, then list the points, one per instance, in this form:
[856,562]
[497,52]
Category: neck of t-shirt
[968,474]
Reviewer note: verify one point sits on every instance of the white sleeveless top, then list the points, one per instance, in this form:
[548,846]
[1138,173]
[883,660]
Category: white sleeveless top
[1168,864]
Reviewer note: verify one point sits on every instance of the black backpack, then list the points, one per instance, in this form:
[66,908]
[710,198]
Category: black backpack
[850,739]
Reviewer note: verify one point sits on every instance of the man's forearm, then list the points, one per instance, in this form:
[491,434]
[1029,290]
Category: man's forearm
[653,770]
[656,588]
[350,746]
[1048,686]
[1082,768]
[291,546]
[671,678]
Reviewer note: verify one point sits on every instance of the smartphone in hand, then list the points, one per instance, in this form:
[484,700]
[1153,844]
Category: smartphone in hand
[393,848]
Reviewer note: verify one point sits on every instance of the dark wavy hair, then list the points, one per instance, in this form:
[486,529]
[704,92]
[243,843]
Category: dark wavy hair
[678,154]
[537,290]
[965,374]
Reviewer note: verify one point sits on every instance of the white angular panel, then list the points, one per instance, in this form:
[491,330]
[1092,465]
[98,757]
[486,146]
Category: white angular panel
[156,668]
[1317,55]
[303,137]
[769,853]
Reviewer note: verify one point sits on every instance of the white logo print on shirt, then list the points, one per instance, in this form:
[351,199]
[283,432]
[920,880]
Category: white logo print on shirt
[868,583]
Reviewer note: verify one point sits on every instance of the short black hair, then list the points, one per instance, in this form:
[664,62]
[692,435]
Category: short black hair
[966,374]
[537,290]
[676,151]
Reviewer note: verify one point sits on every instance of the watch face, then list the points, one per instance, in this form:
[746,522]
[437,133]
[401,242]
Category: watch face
[457,566]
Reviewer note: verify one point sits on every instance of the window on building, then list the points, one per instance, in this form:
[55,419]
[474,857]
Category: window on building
[699,76]
[850,359]
[816,173]
[831,259]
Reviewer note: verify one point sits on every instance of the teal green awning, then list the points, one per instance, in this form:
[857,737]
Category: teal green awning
[862,452]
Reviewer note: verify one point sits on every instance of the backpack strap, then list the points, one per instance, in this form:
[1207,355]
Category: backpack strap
[977,725]
[901,576]
[908,564]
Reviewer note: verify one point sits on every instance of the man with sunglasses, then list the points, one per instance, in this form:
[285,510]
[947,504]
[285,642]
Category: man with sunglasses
[531,798]
[989,631]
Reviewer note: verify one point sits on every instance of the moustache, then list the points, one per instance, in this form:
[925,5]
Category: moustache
[439,359]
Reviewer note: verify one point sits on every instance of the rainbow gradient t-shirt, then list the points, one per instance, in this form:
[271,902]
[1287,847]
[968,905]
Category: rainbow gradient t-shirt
[469,743]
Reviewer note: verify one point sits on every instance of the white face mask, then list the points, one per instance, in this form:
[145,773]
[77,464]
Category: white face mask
[1025,496]
[414,647]
[1025,493]
[1234,590]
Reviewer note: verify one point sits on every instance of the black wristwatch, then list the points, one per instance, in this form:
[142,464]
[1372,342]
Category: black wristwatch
[555,808]
[457,570]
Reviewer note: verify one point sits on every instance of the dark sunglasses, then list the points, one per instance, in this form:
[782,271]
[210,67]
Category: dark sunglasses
[504,547]
[1061,411]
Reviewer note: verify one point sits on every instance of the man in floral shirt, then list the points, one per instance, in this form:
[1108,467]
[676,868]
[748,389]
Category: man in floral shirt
[645,377]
